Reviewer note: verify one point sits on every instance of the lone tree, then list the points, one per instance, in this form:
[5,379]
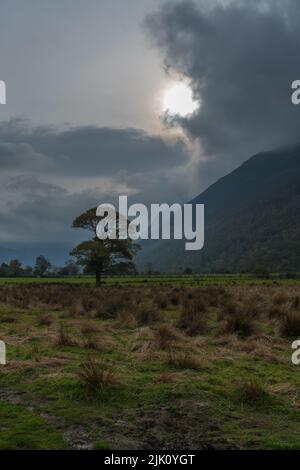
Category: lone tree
[15,268]
[102,256]
[42,266]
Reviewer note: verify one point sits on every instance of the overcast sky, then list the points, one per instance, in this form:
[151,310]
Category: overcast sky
[79,62]
[85,81]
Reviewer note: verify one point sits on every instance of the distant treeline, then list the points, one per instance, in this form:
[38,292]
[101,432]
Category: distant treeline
[42,267]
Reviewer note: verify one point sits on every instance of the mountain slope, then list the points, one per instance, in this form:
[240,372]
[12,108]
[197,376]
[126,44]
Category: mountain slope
[252,217]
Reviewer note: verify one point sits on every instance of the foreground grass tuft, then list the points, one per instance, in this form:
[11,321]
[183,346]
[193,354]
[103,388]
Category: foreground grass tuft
[96,374]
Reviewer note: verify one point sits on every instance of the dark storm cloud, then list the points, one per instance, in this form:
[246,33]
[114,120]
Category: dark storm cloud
[33,209]
[19,155]
[87,151]
[241,58]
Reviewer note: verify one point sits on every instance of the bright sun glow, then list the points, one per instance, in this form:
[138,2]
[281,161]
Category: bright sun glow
[178,99]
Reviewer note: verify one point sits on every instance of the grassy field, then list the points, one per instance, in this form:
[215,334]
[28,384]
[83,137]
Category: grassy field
[157,280]
[150,367]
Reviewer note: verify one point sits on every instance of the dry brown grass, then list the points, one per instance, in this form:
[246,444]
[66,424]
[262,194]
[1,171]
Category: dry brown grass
[161,300]
[88,328]
[45,319]
[186,360]
[192,318]
[8,319]
[296,302]
[63,337]
[276,312]
[102,343]
[165,336]
[240,324]
[250,390]
[96,374]
[147,313]
[290,324]
[36,352]
[280,298]
[126,319]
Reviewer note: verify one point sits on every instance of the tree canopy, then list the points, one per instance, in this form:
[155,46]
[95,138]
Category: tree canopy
[102,256]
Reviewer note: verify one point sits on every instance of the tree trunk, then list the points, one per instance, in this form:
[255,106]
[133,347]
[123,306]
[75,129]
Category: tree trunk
[98,278]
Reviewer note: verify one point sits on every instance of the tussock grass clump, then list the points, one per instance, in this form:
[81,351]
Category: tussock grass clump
[296,302]
[239,319]
[230,307]
[185,360]
[280,298]
[109,308]
[192,318]
[147,313]
[290,324]
[251,391]
[165,336]
[77,309]
[88,328]
[36,352]
[126,319]
[8,319]
[63,337]
[175,297]
[90,343]
[276,311]
[96,374]
[161,301]
[240,324]
[251,310]
[45,319]
[101,343]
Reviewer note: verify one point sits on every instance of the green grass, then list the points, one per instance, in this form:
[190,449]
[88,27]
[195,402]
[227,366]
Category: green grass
[159,280]
[22,429]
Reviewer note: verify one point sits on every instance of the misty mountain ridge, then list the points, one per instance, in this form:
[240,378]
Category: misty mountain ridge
[252,218]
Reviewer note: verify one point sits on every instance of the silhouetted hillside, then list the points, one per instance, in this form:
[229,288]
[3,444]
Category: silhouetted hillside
[252,218]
